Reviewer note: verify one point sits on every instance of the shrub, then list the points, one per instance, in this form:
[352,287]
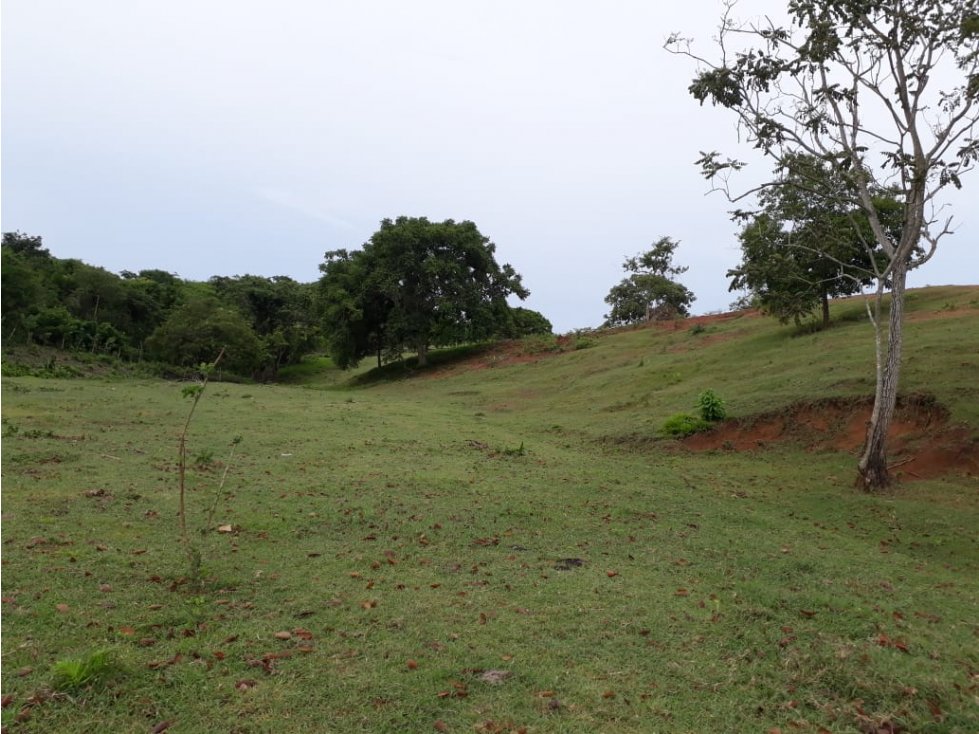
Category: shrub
[682,425]
[711,406]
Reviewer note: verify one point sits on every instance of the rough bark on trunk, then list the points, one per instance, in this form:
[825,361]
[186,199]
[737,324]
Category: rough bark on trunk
[825,309]
[422,355]
[873,461]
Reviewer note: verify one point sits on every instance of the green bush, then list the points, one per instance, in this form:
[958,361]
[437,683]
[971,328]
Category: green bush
[711,406]
[682,425]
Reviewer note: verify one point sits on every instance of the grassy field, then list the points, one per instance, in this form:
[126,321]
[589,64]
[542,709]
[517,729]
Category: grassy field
[498,544]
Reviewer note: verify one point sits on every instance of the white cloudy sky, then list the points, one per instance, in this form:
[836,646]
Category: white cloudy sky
[227,137]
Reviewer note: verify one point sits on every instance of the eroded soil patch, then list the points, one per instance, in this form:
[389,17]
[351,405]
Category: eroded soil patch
[923,443]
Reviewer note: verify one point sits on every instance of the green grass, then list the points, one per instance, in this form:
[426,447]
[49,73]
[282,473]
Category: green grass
[407,545]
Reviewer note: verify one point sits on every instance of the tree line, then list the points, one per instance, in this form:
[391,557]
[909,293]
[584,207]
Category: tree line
[416,284]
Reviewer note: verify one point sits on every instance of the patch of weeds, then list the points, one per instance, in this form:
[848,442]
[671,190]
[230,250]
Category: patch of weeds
[49,371]
[518,451]
[697,329]
[38,433]
[9,428]
[682,425]
[204,458]
[947,306]
[73,674]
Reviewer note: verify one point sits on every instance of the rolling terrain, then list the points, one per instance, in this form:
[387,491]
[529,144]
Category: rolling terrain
[504,542]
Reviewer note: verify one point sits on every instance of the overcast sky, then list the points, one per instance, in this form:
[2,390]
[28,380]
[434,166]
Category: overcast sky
[224,137]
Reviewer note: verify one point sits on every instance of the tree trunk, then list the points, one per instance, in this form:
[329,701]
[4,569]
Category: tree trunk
[422,355]
[873,461]
[825,309]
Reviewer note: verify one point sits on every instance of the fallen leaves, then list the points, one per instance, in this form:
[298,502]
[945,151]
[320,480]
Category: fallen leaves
[485,542]
[896,642]
[157,664]
[458,690]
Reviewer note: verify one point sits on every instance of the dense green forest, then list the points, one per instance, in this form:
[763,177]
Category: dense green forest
[262,323]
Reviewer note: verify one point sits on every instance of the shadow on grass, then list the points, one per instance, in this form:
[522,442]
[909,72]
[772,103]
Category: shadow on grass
[320,373]
[408,367]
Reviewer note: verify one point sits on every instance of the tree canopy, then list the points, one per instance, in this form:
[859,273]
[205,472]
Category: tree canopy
[69,304]
[415,284]
[650,291]
[805,246]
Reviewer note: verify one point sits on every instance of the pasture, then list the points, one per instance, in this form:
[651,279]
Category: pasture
[503,543]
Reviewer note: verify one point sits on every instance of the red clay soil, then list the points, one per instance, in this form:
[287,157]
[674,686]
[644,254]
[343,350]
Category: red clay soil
[923,443]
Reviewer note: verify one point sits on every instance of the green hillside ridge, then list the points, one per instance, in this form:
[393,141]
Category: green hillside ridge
[498,543]
[627,380]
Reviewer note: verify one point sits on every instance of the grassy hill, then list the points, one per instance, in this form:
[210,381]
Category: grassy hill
[503,543]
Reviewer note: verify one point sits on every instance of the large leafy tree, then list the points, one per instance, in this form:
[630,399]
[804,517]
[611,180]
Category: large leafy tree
[805,245]
[415,284]
[650,291]
[886,91]
[199,329]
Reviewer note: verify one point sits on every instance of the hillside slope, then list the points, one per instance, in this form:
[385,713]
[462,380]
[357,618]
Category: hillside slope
[777,381]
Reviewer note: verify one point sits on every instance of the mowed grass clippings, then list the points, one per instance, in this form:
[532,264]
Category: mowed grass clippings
[489,550]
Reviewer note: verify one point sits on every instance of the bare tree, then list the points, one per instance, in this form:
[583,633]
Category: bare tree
[887,91]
